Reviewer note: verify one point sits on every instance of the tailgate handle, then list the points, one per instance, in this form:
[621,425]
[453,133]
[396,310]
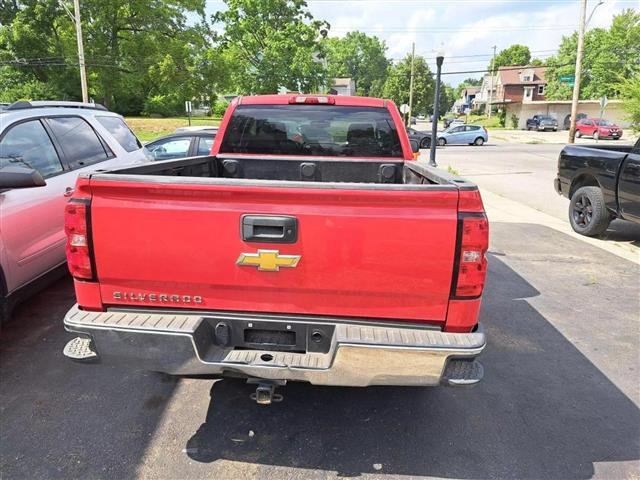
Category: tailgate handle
[269,229]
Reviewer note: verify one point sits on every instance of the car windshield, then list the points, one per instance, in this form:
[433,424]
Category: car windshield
[547,118]
[603,123]
[312,130]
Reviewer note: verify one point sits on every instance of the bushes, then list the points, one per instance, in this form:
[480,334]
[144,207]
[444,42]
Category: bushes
[514,120]
[219,107]
[163,105]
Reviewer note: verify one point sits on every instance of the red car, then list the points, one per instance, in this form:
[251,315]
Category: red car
[598,128]
[310,246]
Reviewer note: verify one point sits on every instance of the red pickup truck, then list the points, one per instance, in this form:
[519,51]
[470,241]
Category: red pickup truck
[309,246]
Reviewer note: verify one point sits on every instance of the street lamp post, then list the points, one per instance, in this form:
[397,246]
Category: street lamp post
[436,111]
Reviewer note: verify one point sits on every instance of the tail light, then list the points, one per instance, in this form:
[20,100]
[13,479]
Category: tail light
[78,241]
[472,261]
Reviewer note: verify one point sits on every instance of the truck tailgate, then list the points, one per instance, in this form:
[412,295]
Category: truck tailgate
[362,252]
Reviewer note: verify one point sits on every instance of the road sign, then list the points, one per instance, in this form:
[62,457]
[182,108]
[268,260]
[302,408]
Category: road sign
[568,78]
[187,106]
[404,108]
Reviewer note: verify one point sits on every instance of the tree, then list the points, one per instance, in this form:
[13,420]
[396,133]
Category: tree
[514,55]
[397,85]
[468,82]
[359,57]
[276,43]
[610,58]
[447,98]
[630,92]
[134,49]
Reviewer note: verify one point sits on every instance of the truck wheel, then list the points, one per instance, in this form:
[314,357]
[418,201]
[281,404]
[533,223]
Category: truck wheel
[479,141]
[596,135]
[442,142]
[578,133]
[587,212]
[425,142]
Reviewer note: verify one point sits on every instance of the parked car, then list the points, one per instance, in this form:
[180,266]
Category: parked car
[185,143]
[598,128]
[542,123]
[463,134]
[45,145]
[567,120]
[452,122]
[422,117]
[197,128]
[602,182]
[286,255]
[423,138]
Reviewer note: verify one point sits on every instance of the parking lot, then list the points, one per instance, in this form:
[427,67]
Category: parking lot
[559,400]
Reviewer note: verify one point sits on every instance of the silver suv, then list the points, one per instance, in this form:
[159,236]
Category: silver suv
[44,146]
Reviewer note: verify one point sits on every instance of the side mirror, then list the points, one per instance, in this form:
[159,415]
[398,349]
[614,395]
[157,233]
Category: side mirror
[20,177]
[415,146]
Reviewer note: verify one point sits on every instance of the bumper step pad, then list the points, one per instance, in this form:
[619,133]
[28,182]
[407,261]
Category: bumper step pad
[461,373]
[79,349]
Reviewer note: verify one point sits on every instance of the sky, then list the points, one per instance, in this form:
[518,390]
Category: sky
[464,30]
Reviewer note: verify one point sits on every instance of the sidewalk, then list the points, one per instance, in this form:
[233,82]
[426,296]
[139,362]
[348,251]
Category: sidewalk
[501,209]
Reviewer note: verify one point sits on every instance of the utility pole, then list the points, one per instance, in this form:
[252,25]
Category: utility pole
[493,68]
[413,56]
[83,72]
[578,71]
[436,112]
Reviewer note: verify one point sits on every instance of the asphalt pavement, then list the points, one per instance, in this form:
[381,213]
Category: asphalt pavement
[560,396]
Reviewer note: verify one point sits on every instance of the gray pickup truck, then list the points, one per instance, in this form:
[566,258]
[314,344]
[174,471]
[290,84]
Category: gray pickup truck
[602,182]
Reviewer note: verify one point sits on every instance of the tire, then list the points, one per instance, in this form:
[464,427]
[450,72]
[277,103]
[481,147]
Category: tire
[596,135]
[425,142]
[478,142]
[578,133]
[442,142]
[588,214]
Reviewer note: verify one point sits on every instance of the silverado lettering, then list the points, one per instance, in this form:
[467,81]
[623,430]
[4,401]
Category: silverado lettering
[153,297]
[322,252]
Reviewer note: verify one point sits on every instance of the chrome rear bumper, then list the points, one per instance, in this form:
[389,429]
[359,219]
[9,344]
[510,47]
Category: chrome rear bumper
[358,353]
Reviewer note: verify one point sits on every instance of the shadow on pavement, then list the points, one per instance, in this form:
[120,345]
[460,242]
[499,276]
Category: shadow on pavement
[543,411]
[622,231]
[60,419]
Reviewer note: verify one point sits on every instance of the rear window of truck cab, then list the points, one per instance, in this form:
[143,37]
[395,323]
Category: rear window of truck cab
[323,130]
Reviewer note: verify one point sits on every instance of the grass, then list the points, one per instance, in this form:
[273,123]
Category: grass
[452,170]
[147,129]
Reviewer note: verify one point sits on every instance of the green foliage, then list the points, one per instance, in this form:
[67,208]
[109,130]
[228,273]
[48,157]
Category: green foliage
[502,117]
[219,107]
[469,82]
[359,57]
[18,85]
[610,58]
[162,105]
[447,98]
[397,85]
[277,42]
[514,121]
[514,55]
[630,92]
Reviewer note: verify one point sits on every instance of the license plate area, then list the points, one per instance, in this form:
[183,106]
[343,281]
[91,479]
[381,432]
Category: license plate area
[215,334]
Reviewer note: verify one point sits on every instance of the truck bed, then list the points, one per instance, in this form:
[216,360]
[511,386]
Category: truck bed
[287,170]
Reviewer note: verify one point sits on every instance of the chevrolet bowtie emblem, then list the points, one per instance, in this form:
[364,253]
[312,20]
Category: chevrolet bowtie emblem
[268,260]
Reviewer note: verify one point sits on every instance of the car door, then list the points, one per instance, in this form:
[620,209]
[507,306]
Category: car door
[629,185]
[469,134]
[174,147]
[456,135]
[32,218]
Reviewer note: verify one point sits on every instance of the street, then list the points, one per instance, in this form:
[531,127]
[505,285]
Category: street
[559,400]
